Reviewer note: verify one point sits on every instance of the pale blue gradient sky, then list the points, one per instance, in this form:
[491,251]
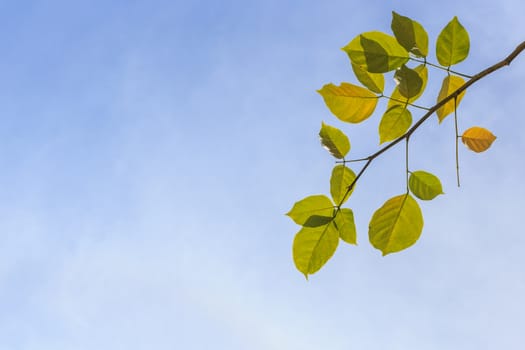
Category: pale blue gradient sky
[149,150]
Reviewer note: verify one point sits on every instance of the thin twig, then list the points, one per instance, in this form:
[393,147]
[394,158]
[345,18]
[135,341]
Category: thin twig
[442,68]
[406,161]
[404,102]
[457,136]
[350,161]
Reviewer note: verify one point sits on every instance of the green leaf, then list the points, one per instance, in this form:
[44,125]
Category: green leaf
[344,221]
[478,139]
[409,82]
[394,123]
[396,225]
[308,210]
[398,99]
[317,220]
[376,52]
[313,247]
[348,102]
[425,186]
[373,81]
[334,140]
[341,178]
[453,44]
[410,34]
[450,84]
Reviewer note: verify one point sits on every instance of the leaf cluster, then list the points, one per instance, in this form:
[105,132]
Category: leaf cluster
[398,223]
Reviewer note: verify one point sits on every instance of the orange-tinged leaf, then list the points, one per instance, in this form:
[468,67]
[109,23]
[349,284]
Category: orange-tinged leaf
[478,139]
[450,84]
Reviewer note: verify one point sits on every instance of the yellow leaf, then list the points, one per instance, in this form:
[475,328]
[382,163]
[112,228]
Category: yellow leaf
[478,139]
[348,102]
[341,178]
[396,225]
[450,84]
[313,247]
[345,224]
[394,123]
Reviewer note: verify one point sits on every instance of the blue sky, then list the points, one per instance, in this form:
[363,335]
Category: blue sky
[149,150]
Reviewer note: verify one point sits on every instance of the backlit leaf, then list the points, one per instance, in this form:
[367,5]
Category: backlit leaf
[394,123]
[450,84]
[409,83]
[344,221]
[478,139]
[348,102]
[453,44]
[309,209]
[334,140]
[396,225]
[373,81]
[425,186]
[341,178]
[313,247]
[376,52]
[410,34]
[398,99]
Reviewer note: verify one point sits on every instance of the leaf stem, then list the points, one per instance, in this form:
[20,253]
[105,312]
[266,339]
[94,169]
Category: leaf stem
[350,161]
[457,137]
[441,67]
[406,160]
[405,102]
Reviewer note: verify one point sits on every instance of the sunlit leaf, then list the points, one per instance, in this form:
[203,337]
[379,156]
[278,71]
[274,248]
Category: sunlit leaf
[313,247]
[396,225]
[398,99]
[341,178]
[450,84]
[394,123]
[348,102]
[408,81]
[334,140]
[344,221]
[453,44]
[373,81]
[478,139]
[425,186]
[410,34]
[310,209]
[376,52]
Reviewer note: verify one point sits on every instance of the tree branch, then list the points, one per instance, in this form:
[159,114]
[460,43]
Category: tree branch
[505,62]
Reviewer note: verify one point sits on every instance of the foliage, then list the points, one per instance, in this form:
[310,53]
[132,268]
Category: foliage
[398,223]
